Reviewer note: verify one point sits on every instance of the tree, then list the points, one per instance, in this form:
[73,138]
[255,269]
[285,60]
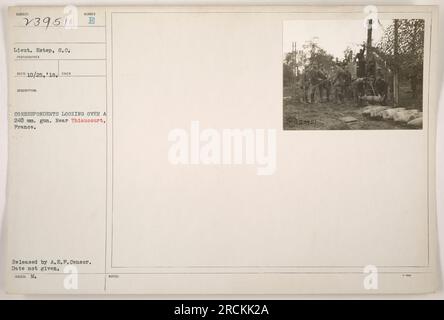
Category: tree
[409,55]
[348,55]
[289,76]
[317,55]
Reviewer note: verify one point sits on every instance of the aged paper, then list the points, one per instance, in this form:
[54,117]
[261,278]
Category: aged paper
[219,150]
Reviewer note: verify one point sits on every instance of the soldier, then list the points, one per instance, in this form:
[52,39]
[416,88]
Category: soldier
[371,67]
[358,88]
[360,59]
[304,85]
[325,85]
[348,84]
[310,86]
[340,82]
[316,77]
[381,86]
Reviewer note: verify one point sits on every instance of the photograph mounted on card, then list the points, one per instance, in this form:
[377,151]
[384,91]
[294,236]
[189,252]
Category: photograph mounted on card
[368,78]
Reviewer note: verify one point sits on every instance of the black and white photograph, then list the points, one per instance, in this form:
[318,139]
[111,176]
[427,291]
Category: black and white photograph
[353,74]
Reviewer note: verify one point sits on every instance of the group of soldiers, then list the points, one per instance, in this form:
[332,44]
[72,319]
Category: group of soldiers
[317,82]
[320,84]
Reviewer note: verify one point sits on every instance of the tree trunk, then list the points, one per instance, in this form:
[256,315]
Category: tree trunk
[369,37]
[396,68]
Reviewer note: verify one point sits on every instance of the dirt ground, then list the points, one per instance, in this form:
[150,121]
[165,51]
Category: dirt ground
[327,116]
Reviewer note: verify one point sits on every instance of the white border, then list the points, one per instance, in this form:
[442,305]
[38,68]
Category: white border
[3,136]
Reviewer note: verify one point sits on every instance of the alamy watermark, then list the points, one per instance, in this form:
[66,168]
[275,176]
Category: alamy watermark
[71,17]
[71,280]
[370,281]
[224,147]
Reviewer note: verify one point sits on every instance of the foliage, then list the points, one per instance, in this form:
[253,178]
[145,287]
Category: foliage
[289,76]
[410,48]
[310,54]
[348,55]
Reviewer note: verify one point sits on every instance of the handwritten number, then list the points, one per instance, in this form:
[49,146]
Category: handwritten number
[47,21]
[44,21]
[27,21]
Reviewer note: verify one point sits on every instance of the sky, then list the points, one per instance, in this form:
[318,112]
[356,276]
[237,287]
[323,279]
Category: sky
[332,35]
